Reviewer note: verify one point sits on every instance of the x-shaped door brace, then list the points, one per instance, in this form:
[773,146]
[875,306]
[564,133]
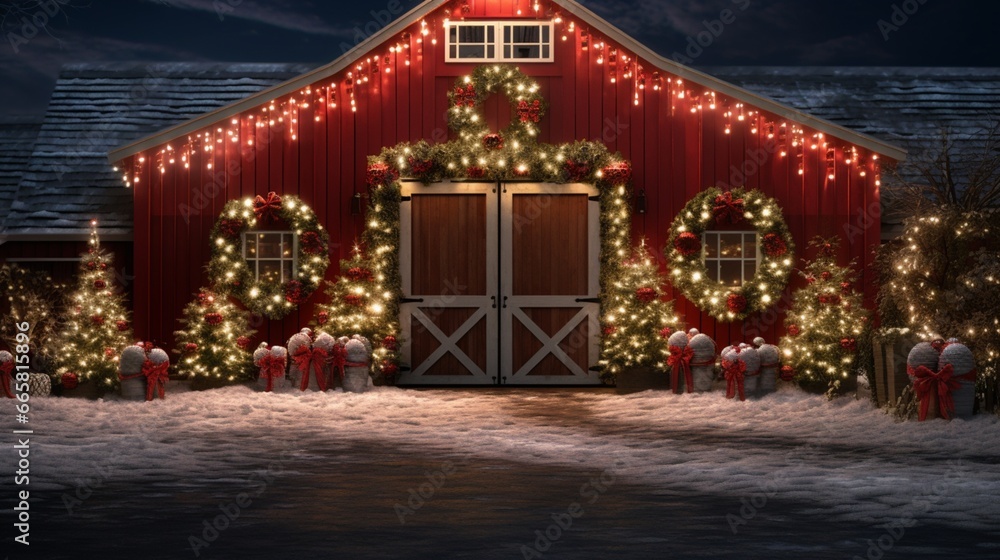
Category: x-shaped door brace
[449,343]
[550,345]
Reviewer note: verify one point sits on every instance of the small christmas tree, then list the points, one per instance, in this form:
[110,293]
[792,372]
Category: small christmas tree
[214,343]
[825,322]
[96,324]
[358,305]
[637,321]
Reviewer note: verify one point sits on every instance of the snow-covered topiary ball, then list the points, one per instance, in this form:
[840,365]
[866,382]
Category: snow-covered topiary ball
[678,339]
[703,347]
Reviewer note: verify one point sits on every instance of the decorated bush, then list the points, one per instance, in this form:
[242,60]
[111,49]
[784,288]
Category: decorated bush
[825,322]
[214,341]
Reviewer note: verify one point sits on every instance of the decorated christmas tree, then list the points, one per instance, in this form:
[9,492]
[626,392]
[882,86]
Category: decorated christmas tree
[825,322]
[214,343]
[96,325]
[638,320]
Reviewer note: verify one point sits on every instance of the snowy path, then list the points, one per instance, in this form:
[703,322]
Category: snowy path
[796,476]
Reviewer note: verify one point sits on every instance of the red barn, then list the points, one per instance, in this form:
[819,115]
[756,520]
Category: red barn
[494,297]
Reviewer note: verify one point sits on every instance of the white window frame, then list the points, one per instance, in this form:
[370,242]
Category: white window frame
[719,259]
[499,43]
[253,260]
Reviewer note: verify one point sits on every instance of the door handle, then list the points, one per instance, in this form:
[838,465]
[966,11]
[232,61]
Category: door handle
[494,298]
[505,302]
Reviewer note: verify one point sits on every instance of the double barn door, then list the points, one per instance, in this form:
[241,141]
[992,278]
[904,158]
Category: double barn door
[500,283]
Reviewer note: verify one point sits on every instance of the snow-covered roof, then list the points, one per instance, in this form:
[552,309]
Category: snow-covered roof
[17,138]
[96,107]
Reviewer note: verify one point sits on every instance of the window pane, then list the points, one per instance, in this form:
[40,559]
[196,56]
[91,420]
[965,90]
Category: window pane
[251,246]
[731,273]
[545,34]
[732,245]
[526,51]
[545,51]
[711,245]
[454,51]
[712,267]
[750,245]
[506,34]
[491,33]
[287,246]
[506,51]
[749,270]
[286,271]
[472,51]
[269,271]
[491,51]
[453,34]
[526,34]
[269,245]
[472,34]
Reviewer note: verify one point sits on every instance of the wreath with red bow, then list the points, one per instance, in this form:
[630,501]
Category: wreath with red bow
[749,210]
[233,275]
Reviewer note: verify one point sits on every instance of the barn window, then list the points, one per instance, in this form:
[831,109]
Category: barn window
[271,255]
[731,257]
[499,41]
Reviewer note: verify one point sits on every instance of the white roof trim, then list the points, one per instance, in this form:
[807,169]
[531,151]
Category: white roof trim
[584,14]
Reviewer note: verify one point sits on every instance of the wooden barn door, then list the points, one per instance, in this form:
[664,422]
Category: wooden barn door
[549,278]
[448,264]
[500,284]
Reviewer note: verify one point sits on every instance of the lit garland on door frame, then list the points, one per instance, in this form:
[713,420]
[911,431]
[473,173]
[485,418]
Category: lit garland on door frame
[519,158]
[231,275]
[686,253]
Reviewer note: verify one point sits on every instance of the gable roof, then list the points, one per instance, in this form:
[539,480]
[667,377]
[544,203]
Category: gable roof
[586,16]
[17,139]
[67,181]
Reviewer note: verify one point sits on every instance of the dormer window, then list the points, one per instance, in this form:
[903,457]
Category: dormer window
[501,41]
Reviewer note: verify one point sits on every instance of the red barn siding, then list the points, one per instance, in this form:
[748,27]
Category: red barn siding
[675,153]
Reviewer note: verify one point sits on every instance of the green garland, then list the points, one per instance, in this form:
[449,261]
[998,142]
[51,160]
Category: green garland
[228,269]
[477,154]
[706,211]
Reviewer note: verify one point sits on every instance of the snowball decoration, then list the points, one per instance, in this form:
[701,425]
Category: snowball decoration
[702,361]
[143,372]
[309,369]
[272,362]
[7,373]
[704,212]
[679,360]
[960,358]
[230,272]
[356,373]
[769,366]
[741,367]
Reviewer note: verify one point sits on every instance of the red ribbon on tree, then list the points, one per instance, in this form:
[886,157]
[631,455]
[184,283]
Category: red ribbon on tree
[266,209]
[465,96]
[735,378]
[680,360]
[942,383]
[271,367]
[307,359]
[727,209]
[6,370]
[529,111]
[156,378]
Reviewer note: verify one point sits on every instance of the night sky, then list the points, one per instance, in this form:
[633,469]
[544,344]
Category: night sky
[765,32]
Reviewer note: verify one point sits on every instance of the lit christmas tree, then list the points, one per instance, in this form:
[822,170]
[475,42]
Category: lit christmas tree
[214,343]
[96,324]
[638,321]
[825,322]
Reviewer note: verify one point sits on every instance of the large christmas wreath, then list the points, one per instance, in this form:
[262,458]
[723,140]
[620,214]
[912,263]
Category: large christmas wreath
[709,210]
[466,117]
[230,272]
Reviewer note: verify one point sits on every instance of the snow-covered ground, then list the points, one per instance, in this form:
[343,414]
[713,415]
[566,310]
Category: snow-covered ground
[783,459]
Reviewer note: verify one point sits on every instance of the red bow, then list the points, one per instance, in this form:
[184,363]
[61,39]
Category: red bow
[272,367]
[728,209]
[156,378]
[927,383]
[735,377]
[266,210]
[311,358]
[6,369]
[680,360]
[339,359]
